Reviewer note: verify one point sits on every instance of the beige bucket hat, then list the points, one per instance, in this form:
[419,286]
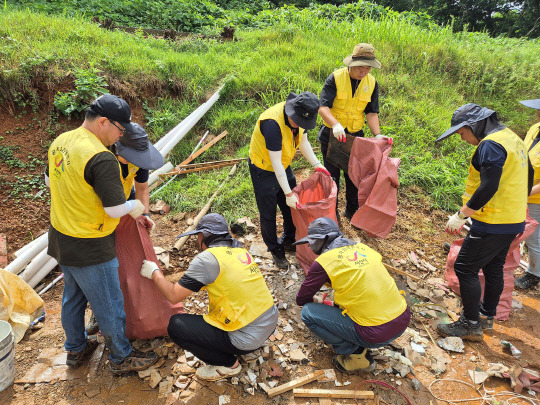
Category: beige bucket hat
[363,55]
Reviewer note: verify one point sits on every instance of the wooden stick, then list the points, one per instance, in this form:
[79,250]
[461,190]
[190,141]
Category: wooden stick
[280,389]
[318,393]
[184,169]
[203,211]
[402,272]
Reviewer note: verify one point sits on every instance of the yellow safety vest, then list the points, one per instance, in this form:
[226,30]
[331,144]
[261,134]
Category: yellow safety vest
[257,149]
[76,209]
[509,204]
[349,109]
[534,156]
[127,183]
[239,295]
[362,286]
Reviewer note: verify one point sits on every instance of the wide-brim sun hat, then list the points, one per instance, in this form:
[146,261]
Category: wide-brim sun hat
[114,108]
[467,114]
[135,147]
[535,103]
[363,55]
[210,224]
[303,109]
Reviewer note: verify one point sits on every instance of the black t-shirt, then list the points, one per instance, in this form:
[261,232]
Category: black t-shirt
[102,173]
[272,133]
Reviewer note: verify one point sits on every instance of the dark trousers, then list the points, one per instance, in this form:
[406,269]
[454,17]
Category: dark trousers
[210,344]
[488,252]
[269,195]
[351,191]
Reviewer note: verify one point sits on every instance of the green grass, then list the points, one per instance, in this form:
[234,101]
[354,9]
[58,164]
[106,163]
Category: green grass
[427,72]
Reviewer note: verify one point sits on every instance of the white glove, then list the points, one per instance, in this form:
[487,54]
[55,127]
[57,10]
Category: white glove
[152,224]
[138,210]
[339,132]
[383,137]
[291,201]
[455,223]
[148,269]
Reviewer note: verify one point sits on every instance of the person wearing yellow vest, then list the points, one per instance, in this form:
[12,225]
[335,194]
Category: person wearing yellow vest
[279,132]
[349,98]
[531,277]
[495,199]
[241,310]
[137,156]
[87,200]
[368,311]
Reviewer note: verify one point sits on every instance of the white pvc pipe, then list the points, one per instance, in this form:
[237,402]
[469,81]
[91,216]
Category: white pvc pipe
[167,137]
[167,167]
[35,265]
[40,275]
[56,280]
[189,123]
[30,244]
[18,264]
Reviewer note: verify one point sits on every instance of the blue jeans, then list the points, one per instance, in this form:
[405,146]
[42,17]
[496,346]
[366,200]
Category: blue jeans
[336,329]
[533,242]
[98,284]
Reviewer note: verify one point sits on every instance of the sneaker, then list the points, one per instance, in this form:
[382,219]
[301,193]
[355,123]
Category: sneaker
[526,281]
[461,328]
[75,359]
[287,243]
[350,363]
[486,322]
[136,361]
[92,326]
[213,373]
[278,255]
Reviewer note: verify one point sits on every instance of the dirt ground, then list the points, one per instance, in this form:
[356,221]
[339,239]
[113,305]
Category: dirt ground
[418,228]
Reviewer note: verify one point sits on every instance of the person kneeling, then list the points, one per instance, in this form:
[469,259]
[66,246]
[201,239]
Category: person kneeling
[369,311]
[241,311]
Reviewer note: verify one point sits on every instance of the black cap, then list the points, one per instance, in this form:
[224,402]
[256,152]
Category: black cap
[210,224]
[467,114]
[114,108]
[135,147]
[303,109]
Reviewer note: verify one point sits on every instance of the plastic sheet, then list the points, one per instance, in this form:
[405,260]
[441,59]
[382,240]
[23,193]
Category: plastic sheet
[317,197]
[512,263]
[147,310]
[375,174]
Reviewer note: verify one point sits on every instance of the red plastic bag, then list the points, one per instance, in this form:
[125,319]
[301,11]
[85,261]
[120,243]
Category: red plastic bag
[512,263]
[147,310]
[375,174]
[317,197]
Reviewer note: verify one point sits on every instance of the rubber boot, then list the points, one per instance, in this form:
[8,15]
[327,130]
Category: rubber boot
[350,363]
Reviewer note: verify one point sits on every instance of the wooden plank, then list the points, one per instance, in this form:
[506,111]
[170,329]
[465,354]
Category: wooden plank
[402,272]
[280,389]
[319,393]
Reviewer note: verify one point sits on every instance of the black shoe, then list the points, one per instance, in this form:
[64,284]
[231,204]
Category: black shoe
[486,321]
[136,361]
[462,328]
[526,281]
[287,243]
[74,359]
[278,255]
[92,326]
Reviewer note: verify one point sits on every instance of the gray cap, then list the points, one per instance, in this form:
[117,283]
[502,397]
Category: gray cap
[303,109]
[532,103]
[135,147]
[467,114]
[320,228]
[210,224]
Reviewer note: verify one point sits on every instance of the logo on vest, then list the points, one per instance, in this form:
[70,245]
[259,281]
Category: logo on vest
[58,168]
[366,88]
[245,261]
[355,256]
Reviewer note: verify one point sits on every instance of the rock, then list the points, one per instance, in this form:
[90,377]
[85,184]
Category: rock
[288,328]
[155,378]
[452,343]
[282,305]
[184,369]
[259,249]
[165,388]
[91,393]
[173,398]
[235,380]
[278,335]
[189,221]
[224,399]
[415,384]
[272,383]
[145,373]
[250,390]
[297,355]
[329,375]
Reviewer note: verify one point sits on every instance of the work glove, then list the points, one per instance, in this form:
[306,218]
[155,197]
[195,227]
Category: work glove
[455,223]
[389,139]
[327,302]
[148,269]
[150,224]
[320,168]
[138,210]
[292,201]
[339,132]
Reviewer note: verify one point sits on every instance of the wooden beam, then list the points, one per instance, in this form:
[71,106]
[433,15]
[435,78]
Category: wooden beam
[280,389]
[402,272]
[318,393]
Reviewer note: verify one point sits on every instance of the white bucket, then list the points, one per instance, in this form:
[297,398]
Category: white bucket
[7,356]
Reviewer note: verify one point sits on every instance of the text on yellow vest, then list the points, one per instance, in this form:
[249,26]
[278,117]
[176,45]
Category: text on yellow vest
[534,157]
[239,295]
[362,286]
[76,209]
[509,204]
[347,108]
[258,153]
